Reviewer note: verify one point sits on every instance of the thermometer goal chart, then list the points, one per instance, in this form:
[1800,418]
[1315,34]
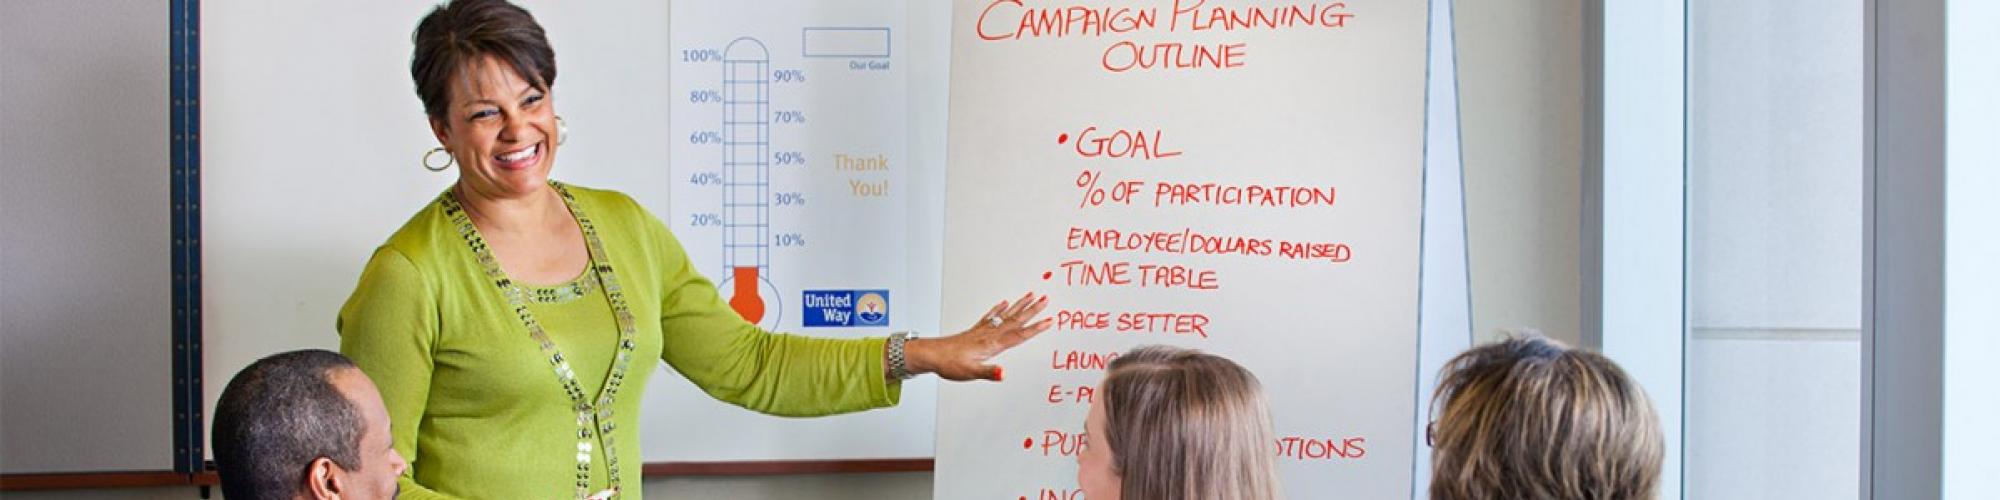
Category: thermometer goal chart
[746,183]
[788,169]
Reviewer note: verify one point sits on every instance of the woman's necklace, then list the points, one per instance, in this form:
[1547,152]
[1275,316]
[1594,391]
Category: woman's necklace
[594,420]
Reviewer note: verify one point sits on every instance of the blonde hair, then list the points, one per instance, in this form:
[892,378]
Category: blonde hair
[1533,418]
[1187,425]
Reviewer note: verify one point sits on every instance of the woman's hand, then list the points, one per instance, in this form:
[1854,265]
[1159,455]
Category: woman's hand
[963,356]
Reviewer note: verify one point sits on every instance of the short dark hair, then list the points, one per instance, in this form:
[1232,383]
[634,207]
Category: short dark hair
[276,417]
[462,32]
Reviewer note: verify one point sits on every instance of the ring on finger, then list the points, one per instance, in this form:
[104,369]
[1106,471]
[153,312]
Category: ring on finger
[994,320]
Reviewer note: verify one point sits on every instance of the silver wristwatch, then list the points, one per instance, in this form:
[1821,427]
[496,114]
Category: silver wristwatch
[899,368]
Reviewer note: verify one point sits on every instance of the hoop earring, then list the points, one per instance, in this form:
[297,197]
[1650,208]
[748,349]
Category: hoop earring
[562,131]
[448,160]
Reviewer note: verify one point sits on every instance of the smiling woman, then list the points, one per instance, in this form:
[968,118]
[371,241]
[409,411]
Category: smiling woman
[515,305]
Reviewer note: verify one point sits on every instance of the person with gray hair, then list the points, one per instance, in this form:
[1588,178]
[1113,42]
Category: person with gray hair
[1529,417]
[304,424]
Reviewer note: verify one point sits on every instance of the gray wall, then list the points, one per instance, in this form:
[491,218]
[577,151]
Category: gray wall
[84,257]
[1520,70]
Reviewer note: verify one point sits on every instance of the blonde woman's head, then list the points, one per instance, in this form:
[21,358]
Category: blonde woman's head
[1532,418]
[1178,424]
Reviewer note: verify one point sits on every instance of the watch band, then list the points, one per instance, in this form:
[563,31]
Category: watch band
[899,367]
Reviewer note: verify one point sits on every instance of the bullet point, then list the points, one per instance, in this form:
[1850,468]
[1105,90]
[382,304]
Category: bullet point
[1046,274]
[1063,138]
[1027,443]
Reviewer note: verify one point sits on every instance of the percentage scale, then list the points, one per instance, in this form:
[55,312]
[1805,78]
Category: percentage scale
[746,181]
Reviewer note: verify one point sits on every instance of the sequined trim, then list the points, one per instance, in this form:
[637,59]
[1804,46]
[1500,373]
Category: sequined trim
[594,420]
[578,288]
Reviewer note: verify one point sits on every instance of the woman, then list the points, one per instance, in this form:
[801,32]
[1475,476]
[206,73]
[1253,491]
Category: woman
[1177,424]
[513,322]
[1532,418]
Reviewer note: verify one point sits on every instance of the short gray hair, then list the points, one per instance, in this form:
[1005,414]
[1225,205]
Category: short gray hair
[279,415]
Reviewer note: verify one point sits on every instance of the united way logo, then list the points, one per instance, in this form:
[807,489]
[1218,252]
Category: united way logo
[872,309]
[844,308]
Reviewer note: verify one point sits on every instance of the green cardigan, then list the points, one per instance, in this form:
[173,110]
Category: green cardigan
[473,403]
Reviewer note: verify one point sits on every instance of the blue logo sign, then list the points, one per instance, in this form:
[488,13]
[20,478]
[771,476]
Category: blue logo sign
[843,308]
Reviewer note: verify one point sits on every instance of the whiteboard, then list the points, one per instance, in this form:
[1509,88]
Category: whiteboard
[1334,338]
[312,137]
[86,309]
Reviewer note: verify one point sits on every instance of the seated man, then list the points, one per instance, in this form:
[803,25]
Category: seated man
[304,424]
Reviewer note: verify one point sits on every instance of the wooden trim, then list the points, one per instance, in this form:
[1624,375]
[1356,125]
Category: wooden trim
[165,478]
[102,480]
